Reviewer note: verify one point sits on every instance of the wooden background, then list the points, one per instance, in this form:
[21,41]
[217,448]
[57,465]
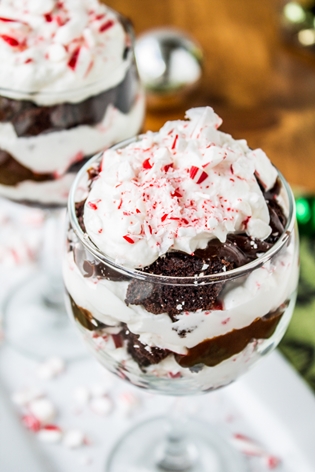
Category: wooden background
[263,90]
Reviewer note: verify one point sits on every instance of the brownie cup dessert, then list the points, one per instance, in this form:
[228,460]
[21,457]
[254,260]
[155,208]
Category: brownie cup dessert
[68,89]
[182,263]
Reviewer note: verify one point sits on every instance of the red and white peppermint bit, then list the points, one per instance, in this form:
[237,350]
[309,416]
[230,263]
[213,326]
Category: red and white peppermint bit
[128,402]
[43,409]
[51,368]
[31,422]
[73,439]
[250,448]
[198,175]
[50,434]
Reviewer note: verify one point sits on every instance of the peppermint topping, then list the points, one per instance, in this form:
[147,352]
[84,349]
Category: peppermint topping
[66,45]
[177,189]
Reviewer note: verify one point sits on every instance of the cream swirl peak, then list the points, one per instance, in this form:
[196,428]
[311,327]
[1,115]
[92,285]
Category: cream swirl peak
[176,190]
[51,46]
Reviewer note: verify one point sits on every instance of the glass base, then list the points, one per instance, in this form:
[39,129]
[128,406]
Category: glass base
[36,323]
[142,449]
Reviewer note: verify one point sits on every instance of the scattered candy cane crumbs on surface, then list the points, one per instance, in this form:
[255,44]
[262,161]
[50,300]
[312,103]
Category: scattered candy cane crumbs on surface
[50,434]
[42,409]
[50,368]
[128,403]
[250,448]
[73,438]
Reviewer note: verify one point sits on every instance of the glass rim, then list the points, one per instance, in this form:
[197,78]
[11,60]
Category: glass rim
[160,279]
[31,94]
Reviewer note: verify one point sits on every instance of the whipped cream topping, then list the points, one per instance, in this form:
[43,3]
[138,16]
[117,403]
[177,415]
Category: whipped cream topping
[49,46]
[177,189]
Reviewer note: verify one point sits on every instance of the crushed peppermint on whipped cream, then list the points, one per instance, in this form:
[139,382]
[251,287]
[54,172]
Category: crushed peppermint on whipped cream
[176,190]
[53,46]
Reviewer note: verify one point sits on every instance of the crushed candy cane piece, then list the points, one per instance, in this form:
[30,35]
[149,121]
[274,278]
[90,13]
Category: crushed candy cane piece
[50,434]
[31,423]
[128,403]
[50,368]
[73,439]
[43,410]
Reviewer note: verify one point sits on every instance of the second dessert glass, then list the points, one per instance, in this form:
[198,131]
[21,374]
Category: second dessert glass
[45,137]
[119,313]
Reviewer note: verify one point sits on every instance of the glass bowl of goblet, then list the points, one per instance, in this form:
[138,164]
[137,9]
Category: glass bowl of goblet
[45,137]
[135,324]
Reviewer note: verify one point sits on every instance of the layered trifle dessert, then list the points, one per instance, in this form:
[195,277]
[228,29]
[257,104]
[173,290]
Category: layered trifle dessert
[181,262]
[68,89]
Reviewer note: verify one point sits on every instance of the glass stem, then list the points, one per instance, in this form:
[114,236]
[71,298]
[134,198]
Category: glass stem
[177,453]
[51,256]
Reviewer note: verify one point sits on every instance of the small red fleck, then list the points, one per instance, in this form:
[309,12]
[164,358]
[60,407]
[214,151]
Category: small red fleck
[74,59]
[11,41]
[106,26]
[232,180]
[164,217]
[120,203]
[48,17]
[231,169]
[175,141]
[246,221]
[207,313]
[176,193]
[202,177]
[100,230]
[150,229]
[92,206]
[7,20]
[146,164]
[51,427]
[117,340]
[167,167]
[193,171]
[100,17]
[137,210]
[185,221]
[31,423]
[273,462]
[128,239]
[224,322]
[27,61]
[175,376]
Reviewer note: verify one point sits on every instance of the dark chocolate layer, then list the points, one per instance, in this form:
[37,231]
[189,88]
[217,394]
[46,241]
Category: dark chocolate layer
[30,119]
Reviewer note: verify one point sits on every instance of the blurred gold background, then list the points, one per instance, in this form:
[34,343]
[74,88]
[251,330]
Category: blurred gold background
[263,89]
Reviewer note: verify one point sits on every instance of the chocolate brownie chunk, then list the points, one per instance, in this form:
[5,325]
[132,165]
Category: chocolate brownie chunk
[174,299]
[144,355]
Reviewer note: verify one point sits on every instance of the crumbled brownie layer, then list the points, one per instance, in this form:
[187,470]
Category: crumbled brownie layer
[13,173]
[142,354]
[30,119]
[174,299]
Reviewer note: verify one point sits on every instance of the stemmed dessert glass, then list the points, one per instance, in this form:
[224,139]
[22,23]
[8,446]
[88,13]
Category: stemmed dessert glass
[116,309]
[62,132]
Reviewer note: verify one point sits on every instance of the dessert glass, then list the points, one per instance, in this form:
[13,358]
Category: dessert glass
[62,134]
[108,303]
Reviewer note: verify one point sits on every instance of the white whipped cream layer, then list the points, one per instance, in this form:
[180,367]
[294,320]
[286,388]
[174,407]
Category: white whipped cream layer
[49,47]
[177,189]
[55,152]
[243,301]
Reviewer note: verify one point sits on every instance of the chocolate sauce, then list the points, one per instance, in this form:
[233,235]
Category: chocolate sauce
[213,351]
[85,317]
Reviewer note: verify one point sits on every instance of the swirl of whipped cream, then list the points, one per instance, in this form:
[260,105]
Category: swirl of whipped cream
[177,189]
[50,46]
